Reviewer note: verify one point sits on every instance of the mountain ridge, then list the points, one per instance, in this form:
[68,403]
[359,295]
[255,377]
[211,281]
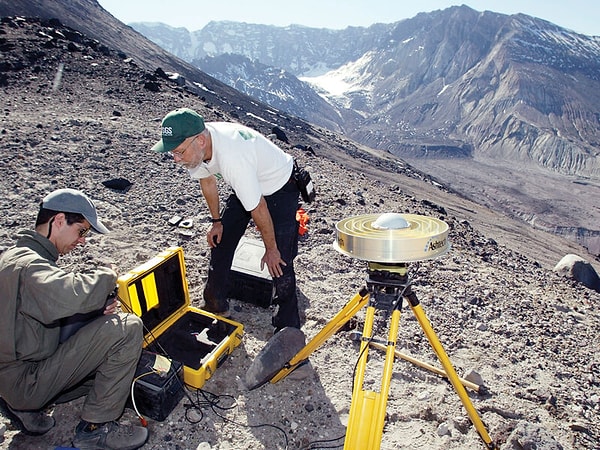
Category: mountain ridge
[548,119]
[455,83]
[464,38]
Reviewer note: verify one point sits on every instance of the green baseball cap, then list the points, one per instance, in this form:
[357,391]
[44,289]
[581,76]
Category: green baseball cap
[176,127]
[74,201]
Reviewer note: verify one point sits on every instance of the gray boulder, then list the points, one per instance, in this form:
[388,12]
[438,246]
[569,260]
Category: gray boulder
[579,269]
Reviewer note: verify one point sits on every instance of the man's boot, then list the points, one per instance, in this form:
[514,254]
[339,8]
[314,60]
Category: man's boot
[31,422]
[109,436]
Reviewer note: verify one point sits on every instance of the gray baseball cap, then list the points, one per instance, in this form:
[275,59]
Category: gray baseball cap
[74,201]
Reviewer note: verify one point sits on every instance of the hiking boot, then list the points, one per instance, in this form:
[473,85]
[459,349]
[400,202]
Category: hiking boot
[34,423]
[218,308]
[109,436]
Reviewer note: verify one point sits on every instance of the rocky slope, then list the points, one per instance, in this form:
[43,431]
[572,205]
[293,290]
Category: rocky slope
[493,300]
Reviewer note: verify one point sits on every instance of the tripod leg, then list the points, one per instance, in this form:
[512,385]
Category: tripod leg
[449,369]
[368,408]
[424,365]
[343,316]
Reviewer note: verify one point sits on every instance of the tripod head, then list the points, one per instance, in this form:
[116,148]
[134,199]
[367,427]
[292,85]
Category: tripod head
[387,283]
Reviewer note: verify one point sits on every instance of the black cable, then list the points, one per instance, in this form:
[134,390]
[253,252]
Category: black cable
[197,405]
[212,400]
[311,446]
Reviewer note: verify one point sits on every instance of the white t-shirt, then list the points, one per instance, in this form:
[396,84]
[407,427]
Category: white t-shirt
[249,162]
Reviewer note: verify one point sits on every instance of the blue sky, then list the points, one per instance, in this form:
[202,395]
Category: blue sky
[582,16]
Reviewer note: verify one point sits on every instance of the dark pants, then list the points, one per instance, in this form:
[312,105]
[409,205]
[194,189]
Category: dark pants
[282,205]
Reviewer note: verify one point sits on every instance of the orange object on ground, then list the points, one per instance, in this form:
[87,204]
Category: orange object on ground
[302,218]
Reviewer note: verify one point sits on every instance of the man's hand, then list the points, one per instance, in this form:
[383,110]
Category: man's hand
[112,303]
[264,223]
[272,259]
[214,234]
[113,307]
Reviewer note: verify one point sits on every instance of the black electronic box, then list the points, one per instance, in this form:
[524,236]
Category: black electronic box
[158,386]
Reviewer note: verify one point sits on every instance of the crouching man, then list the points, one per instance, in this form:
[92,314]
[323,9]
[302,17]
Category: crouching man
[38,367]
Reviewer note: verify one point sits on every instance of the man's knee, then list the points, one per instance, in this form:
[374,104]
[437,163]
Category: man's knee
[124,328]
[134,327]
[134,323]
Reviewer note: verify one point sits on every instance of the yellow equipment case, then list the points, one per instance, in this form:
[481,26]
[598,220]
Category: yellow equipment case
[157,291]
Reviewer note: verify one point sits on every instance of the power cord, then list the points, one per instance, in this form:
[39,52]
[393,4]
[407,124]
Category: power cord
[213,402]
[317,445]
[143,421]
[209,399]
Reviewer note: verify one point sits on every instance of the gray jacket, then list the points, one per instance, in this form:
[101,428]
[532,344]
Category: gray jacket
[35,294]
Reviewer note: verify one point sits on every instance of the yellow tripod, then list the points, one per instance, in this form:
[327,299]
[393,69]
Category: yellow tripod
[387,286]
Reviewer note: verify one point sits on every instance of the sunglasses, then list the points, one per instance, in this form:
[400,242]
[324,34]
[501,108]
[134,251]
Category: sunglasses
[83,232]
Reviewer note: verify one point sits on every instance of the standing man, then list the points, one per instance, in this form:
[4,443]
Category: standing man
[264,190]
[37,367]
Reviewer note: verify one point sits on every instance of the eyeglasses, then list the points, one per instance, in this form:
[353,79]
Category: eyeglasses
[180,154]
[83,232]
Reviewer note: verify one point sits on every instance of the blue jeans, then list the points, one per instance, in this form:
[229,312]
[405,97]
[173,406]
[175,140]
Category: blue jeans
[282,205]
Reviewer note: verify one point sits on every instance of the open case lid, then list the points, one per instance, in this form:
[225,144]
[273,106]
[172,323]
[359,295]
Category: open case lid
[156,289]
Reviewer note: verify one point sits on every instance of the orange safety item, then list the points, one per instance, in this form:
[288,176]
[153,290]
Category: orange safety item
[302,218]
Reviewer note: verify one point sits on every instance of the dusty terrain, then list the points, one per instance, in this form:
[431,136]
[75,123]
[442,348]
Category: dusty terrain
[493,300]
[560,204]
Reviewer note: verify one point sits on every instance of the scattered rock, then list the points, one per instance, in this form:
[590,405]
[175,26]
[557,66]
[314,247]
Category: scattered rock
[528,436]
